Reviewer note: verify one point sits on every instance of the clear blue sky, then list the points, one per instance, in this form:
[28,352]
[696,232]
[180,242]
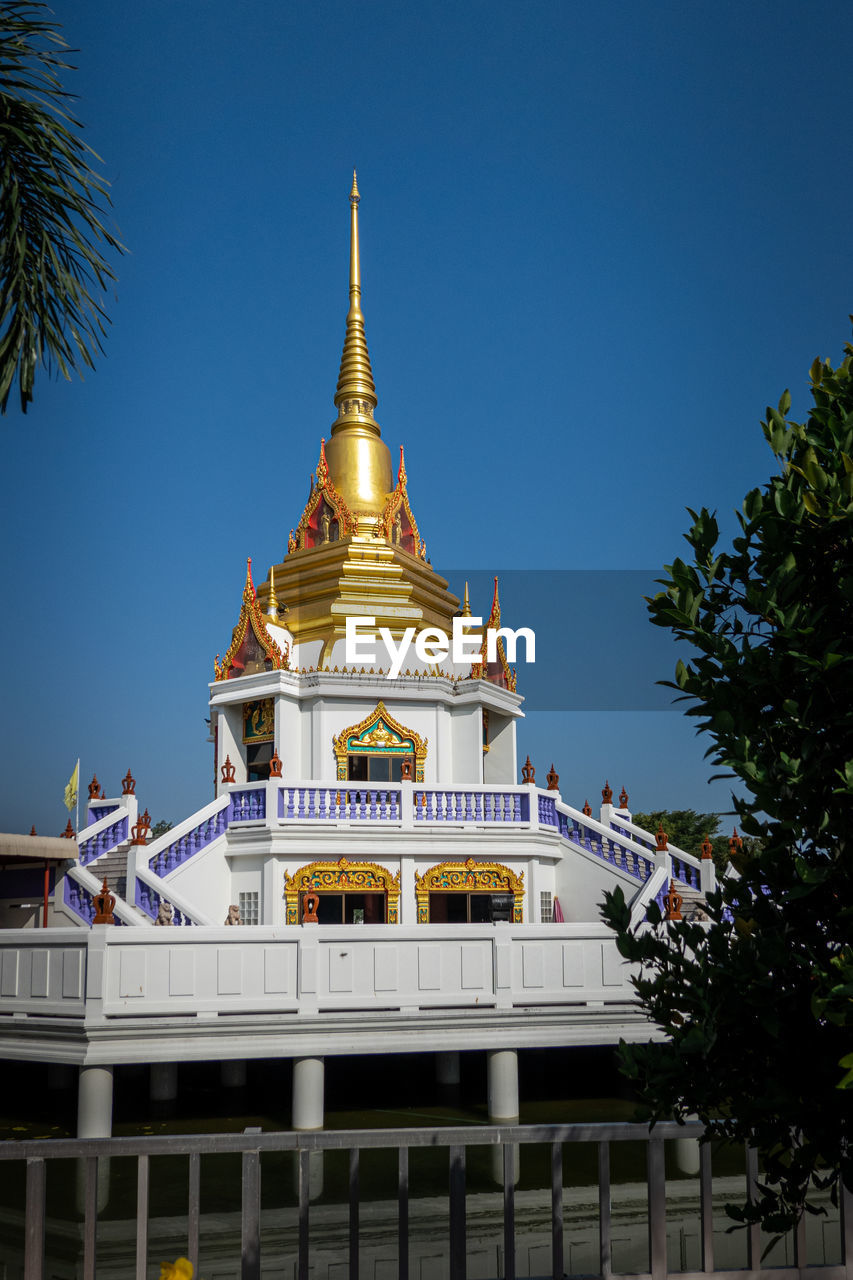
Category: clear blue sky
[597,239]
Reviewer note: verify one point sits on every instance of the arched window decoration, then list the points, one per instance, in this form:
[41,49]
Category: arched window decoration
[344,878]
[493,891]
[380,736]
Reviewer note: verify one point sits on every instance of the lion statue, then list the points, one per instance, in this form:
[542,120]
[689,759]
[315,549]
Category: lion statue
[233,916]
[165,912]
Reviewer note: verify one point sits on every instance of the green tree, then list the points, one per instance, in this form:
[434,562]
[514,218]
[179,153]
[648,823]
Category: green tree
[159,829]
[757,1004]
[53,271]
[687,829]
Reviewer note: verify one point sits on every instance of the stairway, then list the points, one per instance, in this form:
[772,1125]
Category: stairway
[113,867]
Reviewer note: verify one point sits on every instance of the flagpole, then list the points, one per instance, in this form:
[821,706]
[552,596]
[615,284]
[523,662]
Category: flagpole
[77,811]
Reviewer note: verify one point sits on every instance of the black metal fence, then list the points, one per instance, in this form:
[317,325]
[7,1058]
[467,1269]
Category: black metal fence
[252,1144]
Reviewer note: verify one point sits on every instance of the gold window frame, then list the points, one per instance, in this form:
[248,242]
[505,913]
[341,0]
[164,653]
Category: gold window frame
[470,876]
[341,876]
[398,741]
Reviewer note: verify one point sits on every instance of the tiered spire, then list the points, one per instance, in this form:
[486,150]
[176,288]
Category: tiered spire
[355,380]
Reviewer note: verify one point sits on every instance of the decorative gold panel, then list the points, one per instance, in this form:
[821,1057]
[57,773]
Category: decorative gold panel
[259,720]
[380,734]
[338,877]
[470,876]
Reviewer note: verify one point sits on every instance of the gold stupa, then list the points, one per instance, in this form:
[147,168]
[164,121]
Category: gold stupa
[357,549]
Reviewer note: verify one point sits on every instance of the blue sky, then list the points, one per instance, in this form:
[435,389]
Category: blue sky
[596,241]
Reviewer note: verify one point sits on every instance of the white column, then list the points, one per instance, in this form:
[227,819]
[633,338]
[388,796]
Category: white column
[503,1085]
[233,1073]
[95,1102]
[447,1068]
[308,1089]
[163,1081]
[503,1104]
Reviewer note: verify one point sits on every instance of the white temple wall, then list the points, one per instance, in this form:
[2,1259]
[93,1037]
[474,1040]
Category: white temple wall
[581,882]
[289,733]
[205,881]
[499,762]
[467,735]
[230,743]
[247,876]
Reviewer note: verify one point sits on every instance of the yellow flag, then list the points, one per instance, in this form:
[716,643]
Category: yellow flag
[70,796]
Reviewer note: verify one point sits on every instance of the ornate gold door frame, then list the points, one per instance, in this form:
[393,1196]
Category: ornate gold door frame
[341,877]
[470,877]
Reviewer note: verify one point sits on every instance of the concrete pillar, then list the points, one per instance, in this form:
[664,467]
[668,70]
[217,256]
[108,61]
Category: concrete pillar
[687,1154]
[308,1086]
[233,1074]
[503,1104]
[163,1083]
[95,1102]
[447,1070]
[308,1097]
[94,1120]
[503,1086]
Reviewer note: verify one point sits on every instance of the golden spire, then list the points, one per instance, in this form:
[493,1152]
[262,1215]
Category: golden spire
[356,392]
[359,461]
[466,604]
[272,606]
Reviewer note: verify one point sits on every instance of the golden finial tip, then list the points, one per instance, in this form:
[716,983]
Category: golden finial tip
[353,195]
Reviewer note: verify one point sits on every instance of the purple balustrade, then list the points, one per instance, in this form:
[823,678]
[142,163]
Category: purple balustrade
[149,901]
[471,806]
[190,843]
[547,811]
[81,902]
[341,803]
[684,872]
[612,851]
[248,806]
[103,841]
[96,812]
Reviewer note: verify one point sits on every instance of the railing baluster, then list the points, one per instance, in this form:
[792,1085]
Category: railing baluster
[557,1211]
[458,1248]
[605,1250]
[142,1175]
[34,1231]
[846,1206]
[304,1182]
[90,1220]
[353,1213]
[403,1213]
[193,1209]
[656,1175]
[753,1232]
[509,1211]
[706,1207]
[250,1215]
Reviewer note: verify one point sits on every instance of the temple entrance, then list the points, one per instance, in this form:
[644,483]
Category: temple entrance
[470,892]
[470,908]
[345,892]
[351,908]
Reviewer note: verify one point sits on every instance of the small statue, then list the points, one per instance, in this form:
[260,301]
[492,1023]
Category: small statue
[325,527]
[233,916]
[397,530]
[165,914]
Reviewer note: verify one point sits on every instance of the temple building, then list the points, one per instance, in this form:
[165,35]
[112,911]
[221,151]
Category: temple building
[347,794]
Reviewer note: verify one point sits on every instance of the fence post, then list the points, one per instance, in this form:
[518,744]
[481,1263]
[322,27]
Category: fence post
[251,1214]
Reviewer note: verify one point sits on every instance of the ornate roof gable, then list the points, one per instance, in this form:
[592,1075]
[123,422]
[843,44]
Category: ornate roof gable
[498,672]
[250,626]
[397,523]
[326,517]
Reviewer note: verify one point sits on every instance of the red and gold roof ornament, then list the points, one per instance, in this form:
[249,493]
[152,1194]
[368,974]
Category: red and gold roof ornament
[397,524]
[326,517]
[499,671]
[250,636]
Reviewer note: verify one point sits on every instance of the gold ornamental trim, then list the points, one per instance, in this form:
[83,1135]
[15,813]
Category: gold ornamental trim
[250,615]
[480,668]
[342,876]
[323,491]
[470,876]
[381,733]
[389,524]
[259,720]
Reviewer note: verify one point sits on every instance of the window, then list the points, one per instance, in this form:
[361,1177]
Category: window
[249,908]
[470,908]
[350,908]
[377,768]
[546,907]
[258,756]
